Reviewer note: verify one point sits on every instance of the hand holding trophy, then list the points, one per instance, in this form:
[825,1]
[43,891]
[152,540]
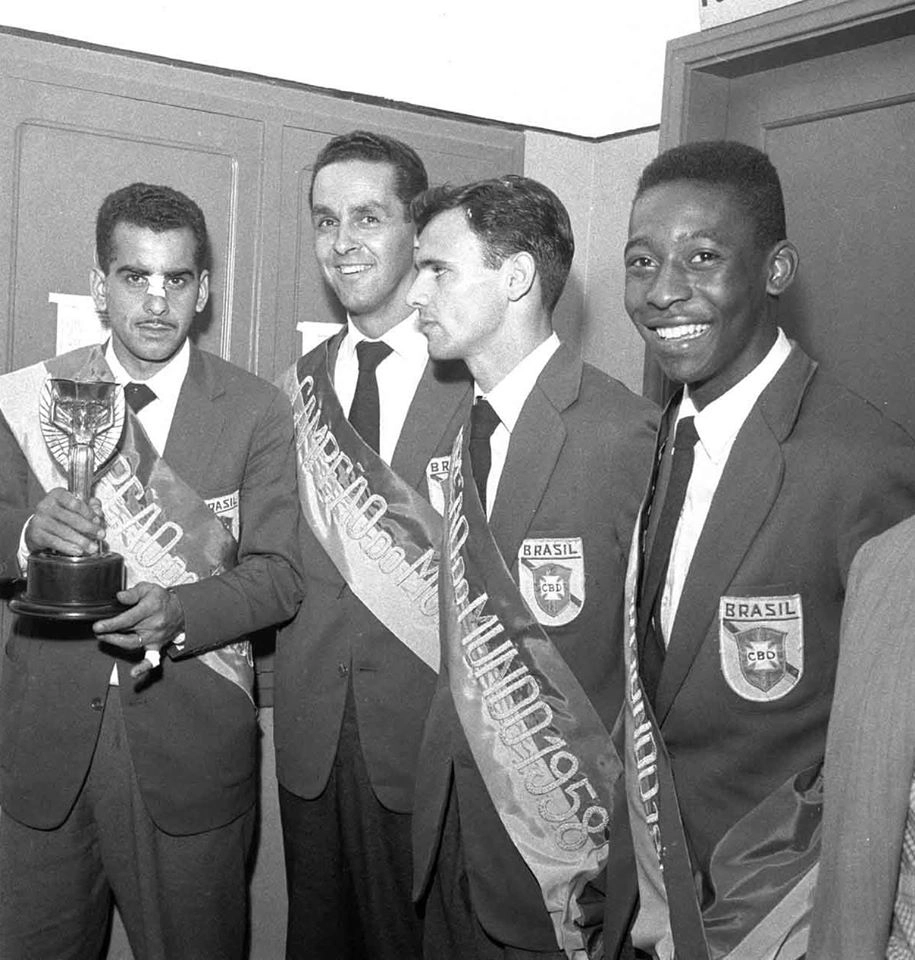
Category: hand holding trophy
[81,423]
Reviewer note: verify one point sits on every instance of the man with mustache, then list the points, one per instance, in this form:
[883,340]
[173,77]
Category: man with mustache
[120,779]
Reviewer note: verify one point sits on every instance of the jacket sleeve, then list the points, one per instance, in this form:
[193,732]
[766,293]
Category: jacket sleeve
[14,500]
[264,588]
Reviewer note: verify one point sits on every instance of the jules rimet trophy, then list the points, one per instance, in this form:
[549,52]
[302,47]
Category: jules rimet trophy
[81,423]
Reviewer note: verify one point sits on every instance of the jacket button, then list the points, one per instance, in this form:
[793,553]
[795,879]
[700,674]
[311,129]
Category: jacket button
[97,703]
[342,669]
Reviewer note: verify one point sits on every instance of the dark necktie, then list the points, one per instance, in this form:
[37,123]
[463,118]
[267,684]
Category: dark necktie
[483,421]
[655,572]
[138,395]
[364,412]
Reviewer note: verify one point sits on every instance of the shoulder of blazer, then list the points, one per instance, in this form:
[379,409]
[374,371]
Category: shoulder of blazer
[780,403]
[215,377]
[560,379]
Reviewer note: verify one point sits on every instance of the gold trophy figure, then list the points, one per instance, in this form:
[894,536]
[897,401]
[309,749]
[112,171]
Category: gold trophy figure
[81,422]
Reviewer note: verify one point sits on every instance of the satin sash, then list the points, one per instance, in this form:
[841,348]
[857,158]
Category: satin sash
[161,526]
[756,900]
[380,534]
[544,754]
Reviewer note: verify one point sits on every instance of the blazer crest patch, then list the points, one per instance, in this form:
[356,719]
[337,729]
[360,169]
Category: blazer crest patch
[226,508]
[551,574]
[436,477]
[761,644]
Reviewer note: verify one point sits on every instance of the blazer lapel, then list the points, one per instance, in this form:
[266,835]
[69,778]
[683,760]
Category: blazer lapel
[333,348]
[441,403]
[749,485]
[197,425]
[533,450]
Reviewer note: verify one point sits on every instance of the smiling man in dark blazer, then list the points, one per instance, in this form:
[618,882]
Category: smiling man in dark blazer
[351,692]
[560,453]
[118,778]
[769,475]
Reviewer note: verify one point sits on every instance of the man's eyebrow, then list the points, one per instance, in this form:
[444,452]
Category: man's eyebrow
[371,207]
[714,235]
[143,272]
[634,242]
[421,262]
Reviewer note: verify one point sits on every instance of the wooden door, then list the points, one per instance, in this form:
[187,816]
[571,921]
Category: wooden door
[827,89]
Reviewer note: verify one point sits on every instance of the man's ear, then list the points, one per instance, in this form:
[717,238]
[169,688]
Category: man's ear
[783,265]
[98,285]
[521,275]
[203,290]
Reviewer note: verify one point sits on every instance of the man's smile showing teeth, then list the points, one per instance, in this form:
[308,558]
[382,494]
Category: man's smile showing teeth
[686,332]
[349,269]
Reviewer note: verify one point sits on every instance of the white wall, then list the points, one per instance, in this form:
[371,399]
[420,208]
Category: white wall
[596,182]
[588,67]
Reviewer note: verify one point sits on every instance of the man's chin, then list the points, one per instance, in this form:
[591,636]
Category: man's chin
[440,351]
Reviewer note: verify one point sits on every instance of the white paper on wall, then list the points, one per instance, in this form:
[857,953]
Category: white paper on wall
[78,324]
[314,332]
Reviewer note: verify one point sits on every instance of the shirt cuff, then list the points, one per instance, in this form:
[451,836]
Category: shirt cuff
[23,555]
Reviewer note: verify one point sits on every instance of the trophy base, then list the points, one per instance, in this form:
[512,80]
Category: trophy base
[71,588]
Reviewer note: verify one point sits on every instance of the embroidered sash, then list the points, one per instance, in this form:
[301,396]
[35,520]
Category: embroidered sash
[164,530]
[762,874]
[545,756]
[380,534]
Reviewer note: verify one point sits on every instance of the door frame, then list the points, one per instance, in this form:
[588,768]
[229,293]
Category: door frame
[699,69]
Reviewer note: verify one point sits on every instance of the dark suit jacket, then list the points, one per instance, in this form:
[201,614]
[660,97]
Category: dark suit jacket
[576,467]
[192,733]
[813,473]
[335,637]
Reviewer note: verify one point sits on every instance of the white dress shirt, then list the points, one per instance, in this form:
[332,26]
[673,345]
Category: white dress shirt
[507,398]
[156,417]
[398,376]
[717,424]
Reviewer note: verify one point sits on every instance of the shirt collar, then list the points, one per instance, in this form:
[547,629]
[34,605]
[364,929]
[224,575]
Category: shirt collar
[165,383]
[510,394]
[404,339]
[719,422]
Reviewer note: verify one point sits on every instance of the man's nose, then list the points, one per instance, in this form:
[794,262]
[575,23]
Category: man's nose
[670,286]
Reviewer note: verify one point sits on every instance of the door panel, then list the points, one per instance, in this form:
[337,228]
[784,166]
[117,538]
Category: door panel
[71,147]
[829,93]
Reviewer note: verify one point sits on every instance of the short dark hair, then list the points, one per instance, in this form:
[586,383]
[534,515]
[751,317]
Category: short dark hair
[509,215]
[410,177]
[157,208]
[747,172]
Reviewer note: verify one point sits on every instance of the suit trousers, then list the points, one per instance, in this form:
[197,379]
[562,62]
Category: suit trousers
[348,866]
[451,930]
[180,897]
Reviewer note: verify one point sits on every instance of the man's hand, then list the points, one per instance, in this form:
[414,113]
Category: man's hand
[62,522]
[154,619]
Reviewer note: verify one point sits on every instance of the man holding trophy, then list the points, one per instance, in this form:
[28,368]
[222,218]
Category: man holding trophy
[148,489]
